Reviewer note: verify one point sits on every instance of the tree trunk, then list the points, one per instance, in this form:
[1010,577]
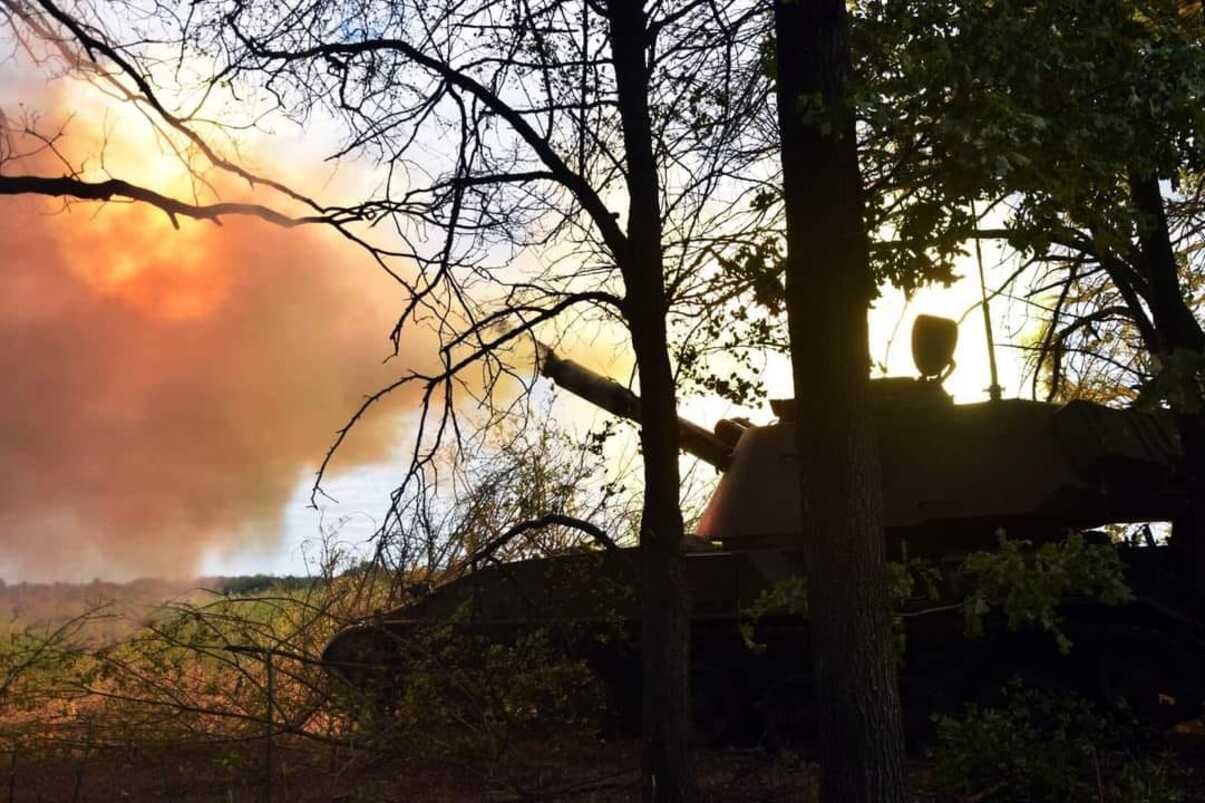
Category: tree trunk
[829,289]
[667,771]
[1176,328]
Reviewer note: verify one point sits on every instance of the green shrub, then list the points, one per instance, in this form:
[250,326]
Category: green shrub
[1029,585]
[1037,746]
[469,696]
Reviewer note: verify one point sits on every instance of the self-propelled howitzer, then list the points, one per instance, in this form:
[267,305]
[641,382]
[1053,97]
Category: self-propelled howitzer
[955,478]
[948,469]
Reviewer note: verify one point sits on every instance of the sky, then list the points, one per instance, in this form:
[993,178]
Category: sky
[168,392]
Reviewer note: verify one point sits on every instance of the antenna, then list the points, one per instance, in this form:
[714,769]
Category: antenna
[994,390]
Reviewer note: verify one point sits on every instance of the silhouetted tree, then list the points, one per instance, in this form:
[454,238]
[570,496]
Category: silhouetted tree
[829,286]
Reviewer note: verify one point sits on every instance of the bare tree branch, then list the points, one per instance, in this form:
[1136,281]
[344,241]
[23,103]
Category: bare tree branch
[67,186]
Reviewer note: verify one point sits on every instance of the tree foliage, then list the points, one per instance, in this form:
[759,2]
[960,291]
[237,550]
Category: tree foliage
[1052,116]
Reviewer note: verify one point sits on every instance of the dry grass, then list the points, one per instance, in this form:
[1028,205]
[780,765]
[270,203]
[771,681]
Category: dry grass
[556,770]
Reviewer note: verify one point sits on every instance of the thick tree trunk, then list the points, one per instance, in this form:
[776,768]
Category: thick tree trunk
[1175,328]
[829,289]
[667,771]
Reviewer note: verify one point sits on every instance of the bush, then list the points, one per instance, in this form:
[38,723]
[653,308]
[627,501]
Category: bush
[1040,745]
[470,697]
[1029,585]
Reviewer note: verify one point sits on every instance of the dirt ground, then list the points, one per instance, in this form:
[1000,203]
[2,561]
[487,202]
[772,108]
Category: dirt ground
[551,771]
[578,770]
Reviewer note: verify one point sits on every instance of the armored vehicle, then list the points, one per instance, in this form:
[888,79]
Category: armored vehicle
[955,478]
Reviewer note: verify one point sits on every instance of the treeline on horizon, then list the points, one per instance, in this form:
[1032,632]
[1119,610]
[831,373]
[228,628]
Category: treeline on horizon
[50,602]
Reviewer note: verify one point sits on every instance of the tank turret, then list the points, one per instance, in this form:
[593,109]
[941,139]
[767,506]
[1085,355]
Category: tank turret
[948,469]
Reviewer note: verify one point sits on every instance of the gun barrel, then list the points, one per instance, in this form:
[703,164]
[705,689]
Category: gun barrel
[613,397]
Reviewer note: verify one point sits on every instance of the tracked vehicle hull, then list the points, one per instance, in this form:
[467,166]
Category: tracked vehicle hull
[1148,653]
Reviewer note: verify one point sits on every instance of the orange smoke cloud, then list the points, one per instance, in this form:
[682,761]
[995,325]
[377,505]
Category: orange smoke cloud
[163,391]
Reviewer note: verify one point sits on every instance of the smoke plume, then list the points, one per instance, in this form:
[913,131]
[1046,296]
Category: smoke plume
[162,392]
